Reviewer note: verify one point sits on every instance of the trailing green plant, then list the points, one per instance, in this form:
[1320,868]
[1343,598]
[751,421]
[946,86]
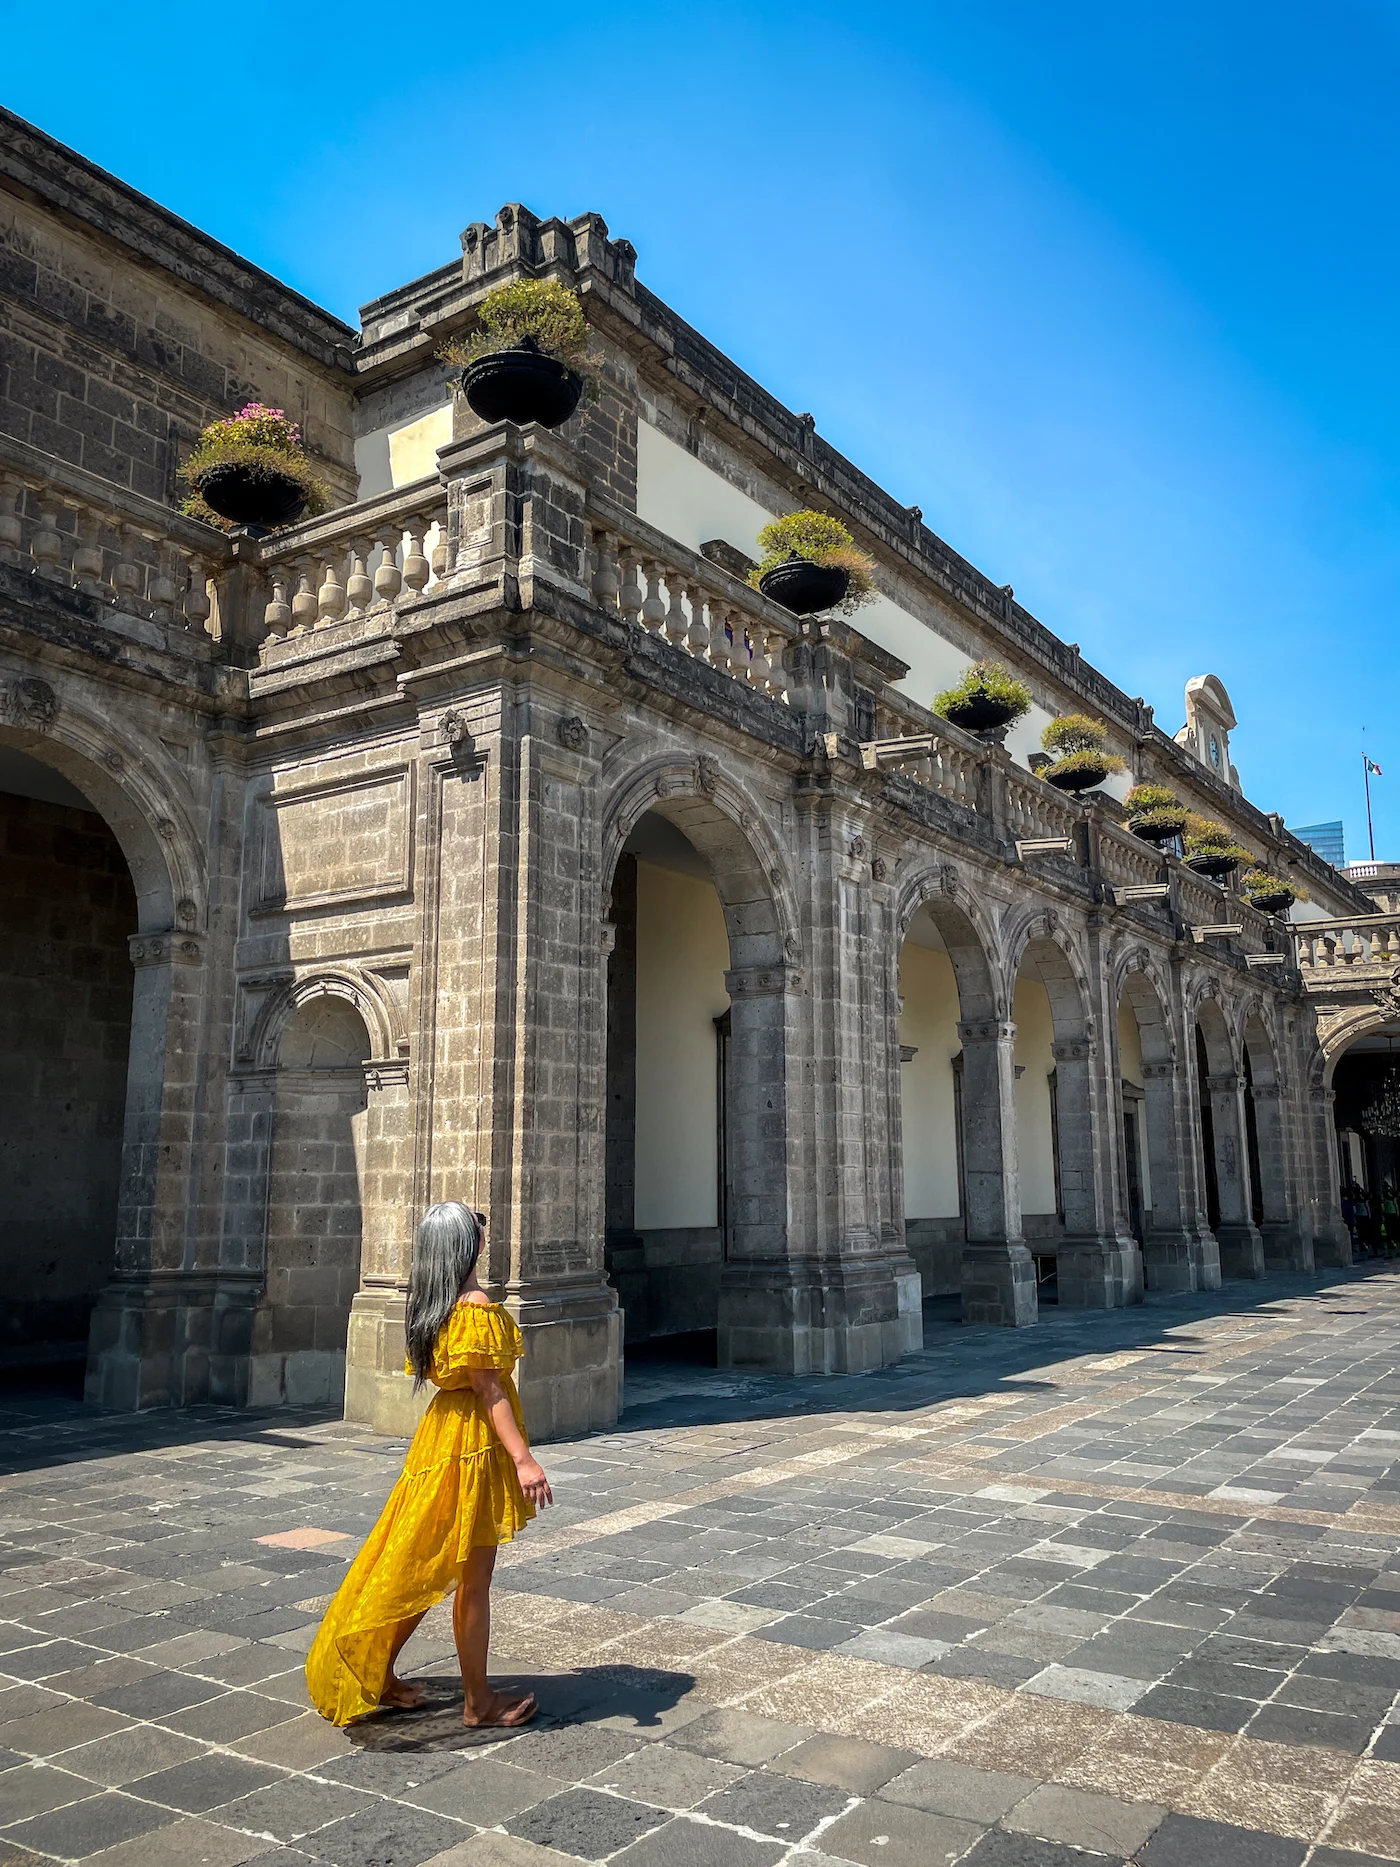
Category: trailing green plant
[822,539]
[261,439]
[1258,885]
[1155,812]
[1074,732]
[542,310]
[1205,837]
[989,683]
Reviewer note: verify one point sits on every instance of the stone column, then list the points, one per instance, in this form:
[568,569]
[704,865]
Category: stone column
[376,1389]
[1332,1241]
[1170,1251]
[139,1350]
[1241,1247]
[1097,1268]
[998,1273]
[1287,1237]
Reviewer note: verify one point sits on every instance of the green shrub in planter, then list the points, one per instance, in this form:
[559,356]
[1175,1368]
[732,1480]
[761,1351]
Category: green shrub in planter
[1081,761]
[1210,848]
[542,310]
[986,698]
[1267,893]
[810,563]
[1155,813]
[251,469]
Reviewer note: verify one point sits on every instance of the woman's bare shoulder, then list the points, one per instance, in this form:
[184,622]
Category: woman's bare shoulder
[475,1299]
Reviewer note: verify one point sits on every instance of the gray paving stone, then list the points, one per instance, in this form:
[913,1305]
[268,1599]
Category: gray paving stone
[137,1751]
[158,1694]
[739,1736]
[486,1791]
[205,1782]
[586,1823]
[944,1787]
[83,1828]
[668,1777]
[1097,1822]
[35,1788]
[848,1763]
[289,1809]
[887,1834]
[388,1834]
[1185,1841]
[770,1803]
[229,1715]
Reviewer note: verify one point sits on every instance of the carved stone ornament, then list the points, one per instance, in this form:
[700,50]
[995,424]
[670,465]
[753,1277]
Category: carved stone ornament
[707,773]
[792,946]
[1387,997]
[113,760]
[856,847]
[187,912]
[573,734]
[948,879]
[456,731]
[879,870]
[30,703]
[166,827]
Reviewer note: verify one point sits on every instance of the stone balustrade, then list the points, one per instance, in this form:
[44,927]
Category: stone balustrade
[696,605]
[77,531]
[359,561]
[1364,941]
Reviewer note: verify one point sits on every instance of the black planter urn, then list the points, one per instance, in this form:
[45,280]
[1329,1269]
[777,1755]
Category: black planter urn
[1076,778]
[261,496]
[1278,902]
[1215,867]
[805,587]
[522,385]
[1156,830]
[981,714]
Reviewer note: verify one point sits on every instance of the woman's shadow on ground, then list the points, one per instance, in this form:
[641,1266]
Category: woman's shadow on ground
[635,1696]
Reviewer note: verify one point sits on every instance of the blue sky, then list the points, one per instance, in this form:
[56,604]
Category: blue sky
[1111,292]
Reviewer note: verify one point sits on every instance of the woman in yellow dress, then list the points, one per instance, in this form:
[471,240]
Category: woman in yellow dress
[468,1484]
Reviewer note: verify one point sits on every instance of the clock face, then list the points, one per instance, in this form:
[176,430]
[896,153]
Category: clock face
[1215,751]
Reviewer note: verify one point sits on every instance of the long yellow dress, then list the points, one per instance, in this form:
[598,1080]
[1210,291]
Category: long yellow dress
[458,1491]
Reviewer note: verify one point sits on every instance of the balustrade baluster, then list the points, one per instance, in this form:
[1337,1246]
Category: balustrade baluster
[699,634]
[758,661]
[677,624]
[161,591]
[606,581]
[416,568]
[87,554]
[278,614]
[46,546]
[129,577]
[774,646]
[630,595]
[388,578]
[195,602]
[330,598]
[654,604]
[721,647]
[438,558]
[359,585]
[304,611]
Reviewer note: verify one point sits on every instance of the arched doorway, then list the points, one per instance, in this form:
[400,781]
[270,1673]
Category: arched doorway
[669,1043]
[1366,1118]
[315,1213]
[961,1186]
[1220,1089]
[68,910]
[1038,1127]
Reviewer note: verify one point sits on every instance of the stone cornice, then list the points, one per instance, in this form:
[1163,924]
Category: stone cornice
[37,167]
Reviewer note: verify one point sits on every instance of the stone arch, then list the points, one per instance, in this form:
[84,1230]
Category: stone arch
[967,931]
[381,1015]
[1040,937]
[1174,1257]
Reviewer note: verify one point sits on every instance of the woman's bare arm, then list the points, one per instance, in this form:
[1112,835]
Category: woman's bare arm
[486,1384]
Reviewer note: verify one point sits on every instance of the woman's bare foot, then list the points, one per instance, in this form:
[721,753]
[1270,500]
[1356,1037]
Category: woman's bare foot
[501,1710]
[401,1694]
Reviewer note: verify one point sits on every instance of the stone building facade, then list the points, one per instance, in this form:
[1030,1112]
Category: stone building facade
[490,838]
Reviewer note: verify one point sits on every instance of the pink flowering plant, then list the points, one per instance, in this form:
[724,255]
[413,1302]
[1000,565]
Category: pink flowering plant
[263,441]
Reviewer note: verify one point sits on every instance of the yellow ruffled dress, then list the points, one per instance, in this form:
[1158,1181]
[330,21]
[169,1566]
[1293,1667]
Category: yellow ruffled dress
[458,1491]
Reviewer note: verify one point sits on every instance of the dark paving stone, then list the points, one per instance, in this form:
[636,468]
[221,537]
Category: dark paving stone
[388,1835]
[684,1843]
[932,1624]
[292,1808]
[1387,1748]
[159,1693]
[1003,1669]
[1184,1841]
[84,1828]
[569,1753]
[204,1782]
[585,1823]
[1343,1857]
[1347,1696]
[998,1848]
[388,1772]
[1210,1711]
[225,1719]
[806,1630]
[1221,1676]
[1295,1724]
[778,1595]
[782,1806]
[55,1656]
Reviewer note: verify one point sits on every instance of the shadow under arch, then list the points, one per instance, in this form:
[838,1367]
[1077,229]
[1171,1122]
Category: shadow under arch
[1224,1143]
[1175,1254]
[144,1207]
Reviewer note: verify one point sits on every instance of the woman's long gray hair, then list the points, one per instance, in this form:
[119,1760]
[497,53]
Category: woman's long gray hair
[448,1245]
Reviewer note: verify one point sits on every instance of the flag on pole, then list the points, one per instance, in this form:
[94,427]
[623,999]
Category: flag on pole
[1371,765]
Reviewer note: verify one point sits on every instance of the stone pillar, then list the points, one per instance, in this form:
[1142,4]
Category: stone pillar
[1097,1266]
[998,1273]
[1170,1252]
[1332,1240]
[376,1390]
[149,1336]
[1241,1247]
[1286,1233]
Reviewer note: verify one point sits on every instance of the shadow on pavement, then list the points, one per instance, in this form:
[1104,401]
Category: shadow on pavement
[638,1695]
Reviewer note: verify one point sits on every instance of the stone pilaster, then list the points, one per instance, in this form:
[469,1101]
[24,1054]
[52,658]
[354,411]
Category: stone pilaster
[1241,1247]
[998,1272]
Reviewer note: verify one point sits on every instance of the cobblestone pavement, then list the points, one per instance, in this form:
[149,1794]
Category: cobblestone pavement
[1124,1587]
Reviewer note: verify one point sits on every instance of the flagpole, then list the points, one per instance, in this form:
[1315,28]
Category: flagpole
[1370,832]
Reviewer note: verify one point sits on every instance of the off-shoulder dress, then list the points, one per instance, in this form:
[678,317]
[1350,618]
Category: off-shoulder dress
[458,1491]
